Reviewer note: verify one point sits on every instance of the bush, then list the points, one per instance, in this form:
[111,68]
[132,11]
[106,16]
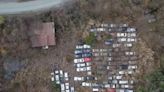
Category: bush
[2,20]
[91,39]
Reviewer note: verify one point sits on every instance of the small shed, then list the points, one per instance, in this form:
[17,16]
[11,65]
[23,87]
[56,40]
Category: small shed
[43,35]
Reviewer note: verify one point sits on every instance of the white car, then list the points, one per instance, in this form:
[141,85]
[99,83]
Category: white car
[86,46]
[129,53]
[119,77]
[88,68]
[123,25]
[78,60]
[57,78]
[95,50]
[131,40]
[66,76]
[85,84]
[67,86]
[114,81]
[113,86]
[100,29]
[112,25]
[62,87]
[96,54]
[79,46]
[95,90]
[89,73]
[125,86]
[61,73]
[80,65]
[131,34]
[121,72]
[123,82]
[104,25]
[56,72]
[121,39]
[128,45]
[107,85]
[88,64]
[78,78]
[93,30]
[72,89]
[109,59]
[130,72]
[81,69]
[132,67]
[116,45]
[131,30]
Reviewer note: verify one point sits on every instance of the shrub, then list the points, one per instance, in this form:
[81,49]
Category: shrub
[91,39]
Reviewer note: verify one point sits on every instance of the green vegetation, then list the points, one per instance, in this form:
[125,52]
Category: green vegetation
[56,87]
[2,20]
[91,39]
[154,82]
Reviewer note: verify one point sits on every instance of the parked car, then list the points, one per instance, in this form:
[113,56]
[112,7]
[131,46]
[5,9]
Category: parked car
[132,67]
[79,47]
[79,65]
[88,64]
[87,50]
[121,72]
[123,82]
[131,30]
[81,69]
[57,79]
[109,42]
[87,59]
[86,84]
[128,45]
[72,89]
[78,78]
[66,76]
[78,51]
[95,89]
[52,76]
[78,60]
[90,78]
[88,68]
[86,46]
[95,50]
[78,55]
[86,55]
[62,86]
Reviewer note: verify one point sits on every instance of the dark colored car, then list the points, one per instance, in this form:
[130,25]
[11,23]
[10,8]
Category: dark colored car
[86,55]
[109,42]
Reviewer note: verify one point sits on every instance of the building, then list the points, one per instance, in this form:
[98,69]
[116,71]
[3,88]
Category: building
[111,90]
[43,35]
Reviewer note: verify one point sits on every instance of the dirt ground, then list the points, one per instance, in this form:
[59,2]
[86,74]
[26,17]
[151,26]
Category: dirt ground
[35,77]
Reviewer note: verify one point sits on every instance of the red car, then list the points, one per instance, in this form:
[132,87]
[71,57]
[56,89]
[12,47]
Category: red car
[87,59]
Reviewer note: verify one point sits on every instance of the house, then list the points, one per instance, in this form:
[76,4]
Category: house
[43,35]
[111,90]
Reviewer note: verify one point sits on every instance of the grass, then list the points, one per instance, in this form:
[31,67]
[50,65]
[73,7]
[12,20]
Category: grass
[2,20]
[91,39]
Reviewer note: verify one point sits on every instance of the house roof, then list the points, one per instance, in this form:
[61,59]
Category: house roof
[111,90]
[44,35]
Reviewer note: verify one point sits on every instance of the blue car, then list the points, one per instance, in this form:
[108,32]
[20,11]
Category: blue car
[109,42]
[86,55]
[78,51]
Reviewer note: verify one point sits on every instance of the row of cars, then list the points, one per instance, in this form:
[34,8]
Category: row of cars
[82,61]
[61,78]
